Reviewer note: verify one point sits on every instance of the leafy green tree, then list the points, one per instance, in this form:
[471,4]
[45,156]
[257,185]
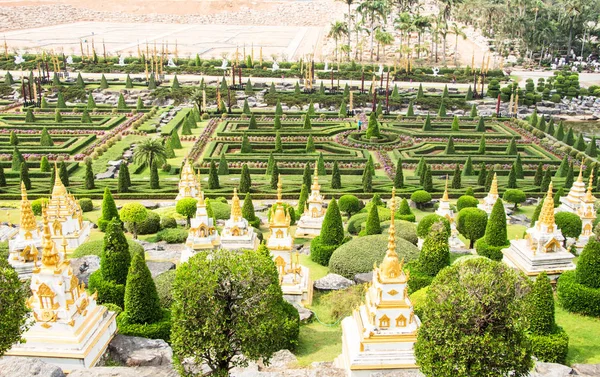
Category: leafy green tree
[275,177]
[302,199]
[245,180]
[373,127]
[248,209]
[336,179]
[420,198]
[213,177]
[186,207]
[150,151]
[115,257]
[142,305]
[13,316]
[435,253]
[89,176]
[332,231]
[476,291]
[471,223]
[514,196]
[349,204]
[217,315]
[569,225]
[133,213]
[466,201]
[372,225]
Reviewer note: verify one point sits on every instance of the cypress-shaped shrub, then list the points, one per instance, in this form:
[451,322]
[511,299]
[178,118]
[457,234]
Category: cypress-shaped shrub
[24,175]
[45,139]
[399,177]
[252,124]
[495,238]
[275,177]
[121,105]
[213,177]
[307,123]
[306,176]
[64,174]
[142,305]
[175,141]
[467,169]
[456,178]
[336,180]
[310,145]
[427,124]
[223,166]
[450,146]
[372,225]
[512,147]
[302,200]
[2,177]
[321,165]
[435,253]
[373,127]
[245,180]
[246,146]
[44,165]
[57,117]
[85,117]
[89,176]
[332,235]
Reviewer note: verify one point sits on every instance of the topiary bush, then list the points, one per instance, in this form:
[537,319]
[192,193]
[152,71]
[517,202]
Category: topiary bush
[86,204]
[319,252]
[150,225]
[420,197]
[358,255]
[221,211]
[109,292]
[167,222]
[95,248]
[552,348]
[36,206]
[417,298]
[158,330]
[172,235]
[466,201]
[164,285]
[576,297]
[426,222]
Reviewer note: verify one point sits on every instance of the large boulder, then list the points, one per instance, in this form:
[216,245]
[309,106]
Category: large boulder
[587,369]
[550,370]
[362,278]
[83,267]
[125,372]
[333,282]
[157,268]
[28,367]
[136,351]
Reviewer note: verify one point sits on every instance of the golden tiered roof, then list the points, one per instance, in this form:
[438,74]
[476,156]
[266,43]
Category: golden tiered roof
[445,197]
[50,256]
[200,194]
[61,203]
[391,267]
[236,210]
[28,223]
[547,212]
[494,186]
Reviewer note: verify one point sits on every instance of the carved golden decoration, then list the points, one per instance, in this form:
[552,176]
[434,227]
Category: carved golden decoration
[393,292]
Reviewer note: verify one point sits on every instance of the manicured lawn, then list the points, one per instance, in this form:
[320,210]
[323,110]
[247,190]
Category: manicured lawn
[316,270]
[583,331]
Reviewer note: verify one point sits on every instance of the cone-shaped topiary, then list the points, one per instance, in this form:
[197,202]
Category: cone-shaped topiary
[142,304]
[278,144]
[79,83]
[154,179]
[427,124]
[169,152]
[246,146]
[115,257]
[482,175]
[450,146]
[16,160]
[495,232]
[343,111]
[248,209]
[122,185]
[592,148]
[456,178]
[64,174]
[57,117]
[569,138]
[306,175]
[373,126]
[213,177]
[310,145]
[128,82]
[29,117]
[563,168]
[45,139]
[275,177]
[321,165]
[85,117]
[332,231]
[373,226]
[473,112]
[435,253]
[278,108]
[121,105]
[2,177]
[336,181]
[245,180]
[580,143]
[570,177]
[44,165]
[307,123]
[420,92]
[559,134]
[151,82]
[539,174]
[89,176]
[467,169]
[60,101]
[175,141]
[541,320]
[588,265]
[512,147]
[140,104]
[91,104]
[410,111]
[277,122]
[103,82]
[246,108]
[399,177]
[455,124]
[302,200]
[442,109]
[480,125]
[223,166]
[24,175]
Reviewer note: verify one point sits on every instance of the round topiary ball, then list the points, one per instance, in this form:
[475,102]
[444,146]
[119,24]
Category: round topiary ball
[150,225]
[86,204]
[358,255]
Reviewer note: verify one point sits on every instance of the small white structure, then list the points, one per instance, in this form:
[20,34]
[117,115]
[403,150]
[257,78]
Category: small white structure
[66,217]
[444,210]
[202,234]
[170,62]
[573,200]
[189,183]
[311,221]
[380,335]
[541,250]
[24,250]
[294,278]
[69,329]
[238,234]
[488,202]
[122,60]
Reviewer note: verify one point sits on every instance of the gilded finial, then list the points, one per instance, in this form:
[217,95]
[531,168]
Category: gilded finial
[390,267]
[49,255]
[580,177]
[589,197]
[445,197]
[547,212]
[236,210]
[28,223]
[494,186]
[279,187]
[317,169]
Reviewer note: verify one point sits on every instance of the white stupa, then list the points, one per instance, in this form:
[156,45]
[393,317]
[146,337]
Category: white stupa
[69,329]
[573,200]
[189,184]
[488,202]
[587,213]
[541,250]
[311,221]
[238,234]
[202,234]
[66,217]
[380,335]
[294,278]
[24,250]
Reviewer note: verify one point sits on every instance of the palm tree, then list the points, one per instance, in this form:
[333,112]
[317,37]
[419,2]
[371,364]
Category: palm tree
[196,97]
[457,30]
[337,30]
[349,3]
[371,11]
[421,23]
[403,24]
[149,151]
[571,11]
[383,39]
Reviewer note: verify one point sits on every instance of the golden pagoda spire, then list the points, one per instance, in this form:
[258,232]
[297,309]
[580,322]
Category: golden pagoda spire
[27,217]
[391,267]
[236,210]
[580,177]
[279,187]
[59,188]
[547,213]
[494,186]
[589,198]
[200,193]
[315,185]
[49,255]
[445,197]
[316,170]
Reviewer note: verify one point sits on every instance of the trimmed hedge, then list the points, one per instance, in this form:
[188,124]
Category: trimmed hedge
[492,252]
[172,235]
[417,298]
[167,222]
[577,298]
[158,330]
[95,248]
[109,292]
[358,255]
[164,286]
[319,252]
[550,348]
[426,222]
[150,225]
[86,204]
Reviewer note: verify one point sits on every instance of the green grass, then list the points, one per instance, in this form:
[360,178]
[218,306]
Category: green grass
[316,270]
[584,345]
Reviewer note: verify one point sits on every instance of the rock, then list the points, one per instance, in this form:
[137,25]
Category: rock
[550,370]
[28,367]
[136,351]
[149,204]
[305,314]
[157,268]
[125,372]
[587,369]
[85,266]
[333,282]
[365,277]
[283,359]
